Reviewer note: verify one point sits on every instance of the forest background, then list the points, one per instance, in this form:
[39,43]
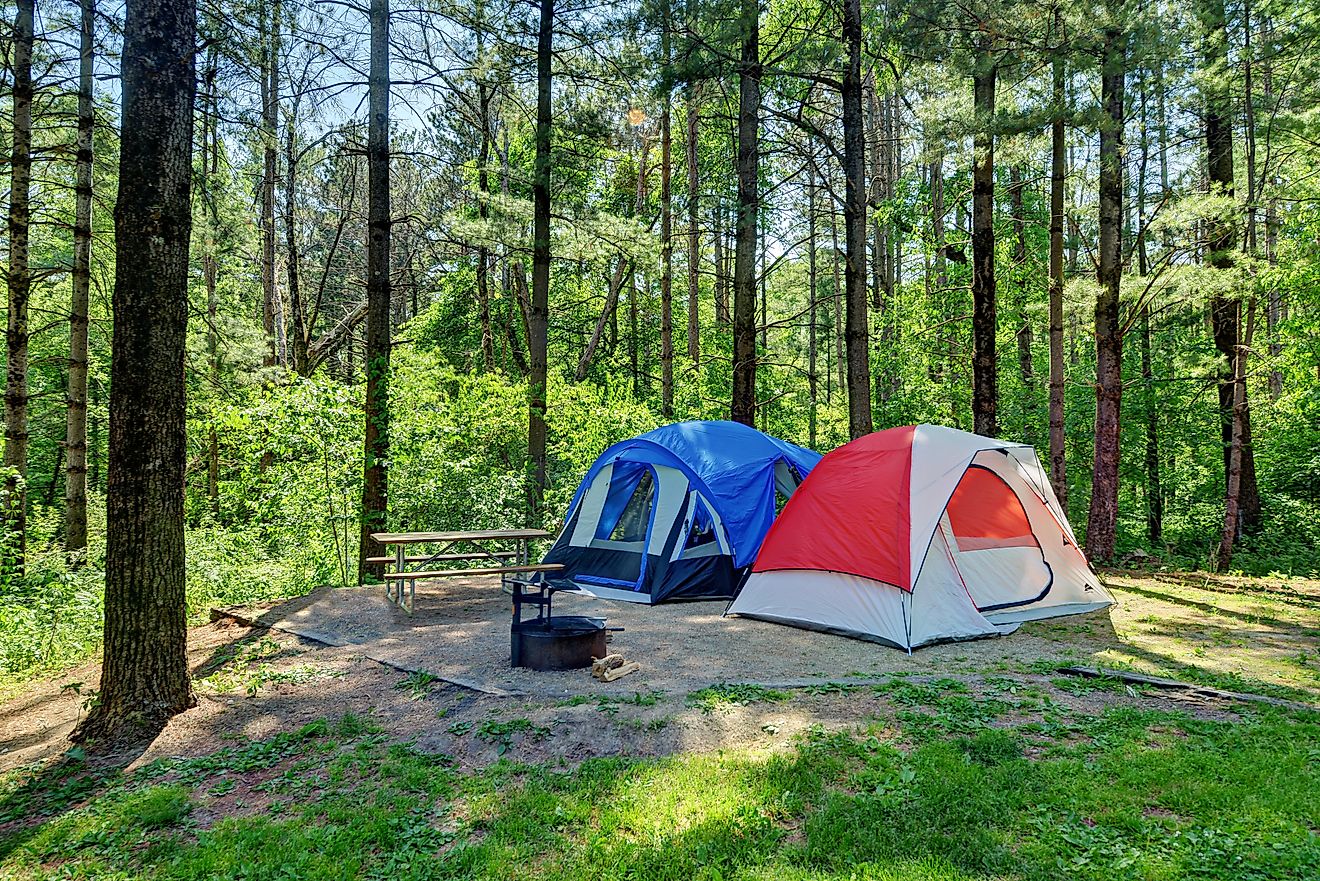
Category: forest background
[703,170]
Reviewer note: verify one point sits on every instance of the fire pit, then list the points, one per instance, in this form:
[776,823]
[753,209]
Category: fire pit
[559,642]
[552,642]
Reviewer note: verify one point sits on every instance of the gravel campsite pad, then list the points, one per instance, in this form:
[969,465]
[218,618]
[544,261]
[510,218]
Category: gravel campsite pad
[459,630]
[441,677]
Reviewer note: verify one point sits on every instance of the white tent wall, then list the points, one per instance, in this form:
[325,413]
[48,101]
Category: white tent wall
[847,605]
[941,609]
[589,509]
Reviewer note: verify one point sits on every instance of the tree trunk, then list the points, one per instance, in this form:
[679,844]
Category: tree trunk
[622,272]
[634,355]
[376,447]
[75,484]
[1026,366]
[1249,127]
[721,277]
[812,383]
[144,677]
[539,312]
[1154,491]
[837,299]
[1058,169]
[854,224]
[1225,311]
[939,260]
[944,296]
[878,193]
[1154,488]
[743,407]
[666,240]
[20,287]
[483,212]
[694,233]
[270,104]
[1236,450]
[210,266]
[300,363]
[1274,300]
[1102,521]
[985,380]
[516,315]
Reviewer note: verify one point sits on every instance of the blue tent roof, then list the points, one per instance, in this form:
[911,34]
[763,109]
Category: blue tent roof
[732,465]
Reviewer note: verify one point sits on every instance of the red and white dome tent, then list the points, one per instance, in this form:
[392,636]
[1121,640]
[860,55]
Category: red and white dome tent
[918,535]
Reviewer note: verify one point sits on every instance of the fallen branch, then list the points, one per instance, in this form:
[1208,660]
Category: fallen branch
[1178,685]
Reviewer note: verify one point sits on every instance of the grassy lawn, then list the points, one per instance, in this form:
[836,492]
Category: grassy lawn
[946,783]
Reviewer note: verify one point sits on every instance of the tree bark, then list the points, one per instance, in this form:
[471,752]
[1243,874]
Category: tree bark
[743,407]
[75,437]
[291,257]
[694,232]
[20,288]
[812,383]
[854,223]
[985,380]
[839,306]
[517,316]
[1026,365]
[1225,311]
[270,103]
[1102,521]
[878,193]
[666,236]
[1058,170]
[376,361]
[1154,486]
[1154,490]
[1274,298]
[483,212]
[944,297]
[210,265]
[538,313]
[144,677]
[622,273]
[1236,449]
[721,277]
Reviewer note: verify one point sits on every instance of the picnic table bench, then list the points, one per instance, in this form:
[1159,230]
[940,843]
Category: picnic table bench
[507,550]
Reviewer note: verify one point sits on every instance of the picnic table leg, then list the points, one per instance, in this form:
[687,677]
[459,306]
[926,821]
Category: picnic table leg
[399,564]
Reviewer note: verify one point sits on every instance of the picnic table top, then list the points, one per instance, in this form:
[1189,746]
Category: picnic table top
[392,538]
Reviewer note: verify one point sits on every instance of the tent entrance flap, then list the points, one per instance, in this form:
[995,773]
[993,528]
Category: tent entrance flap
[992,543]
[623,530]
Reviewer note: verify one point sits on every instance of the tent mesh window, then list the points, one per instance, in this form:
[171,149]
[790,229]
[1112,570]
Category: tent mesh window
[637,513]
[702,531]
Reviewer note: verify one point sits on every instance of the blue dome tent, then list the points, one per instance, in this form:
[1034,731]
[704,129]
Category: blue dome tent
[676,513]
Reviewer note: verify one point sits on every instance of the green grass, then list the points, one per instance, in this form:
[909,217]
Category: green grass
[1125,794]
[733,694]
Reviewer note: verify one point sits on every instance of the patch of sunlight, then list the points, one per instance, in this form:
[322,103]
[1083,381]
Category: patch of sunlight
[673,797]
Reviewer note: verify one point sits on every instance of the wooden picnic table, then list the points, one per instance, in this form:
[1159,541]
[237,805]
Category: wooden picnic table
[508,550]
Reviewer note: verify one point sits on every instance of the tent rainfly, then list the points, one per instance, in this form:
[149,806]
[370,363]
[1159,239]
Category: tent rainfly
[677,513]
[918,535]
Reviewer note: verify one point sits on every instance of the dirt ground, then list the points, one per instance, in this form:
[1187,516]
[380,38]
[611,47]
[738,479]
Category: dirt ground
[252,682]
